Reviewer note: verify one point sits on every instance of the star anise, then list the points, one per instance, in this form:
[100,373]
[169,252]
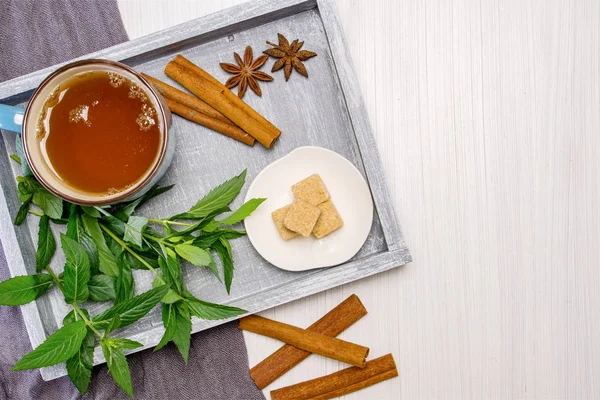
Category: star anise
[245,73]
[289,56]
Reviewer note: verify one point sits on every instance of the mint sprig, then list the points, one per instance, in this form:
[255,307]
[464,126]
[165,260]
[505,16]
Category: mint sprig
[102,245]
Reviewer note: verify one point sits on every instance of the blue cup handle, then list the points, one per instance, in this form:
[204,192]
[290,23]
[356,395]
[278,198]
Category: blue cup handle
[11,118]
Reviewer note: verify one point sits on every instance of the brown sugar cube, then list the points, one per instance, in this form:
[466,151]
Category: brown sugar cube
[329,221]
[311,190]
[301,217]
[278,217]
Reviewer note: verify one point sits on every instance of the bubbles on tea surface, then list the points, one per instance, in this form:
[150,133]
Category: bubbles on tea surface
[40,128]
[146,118]
[53,96]
[80,113]
[111,191]
[95,103]
[116,80]
[136,92]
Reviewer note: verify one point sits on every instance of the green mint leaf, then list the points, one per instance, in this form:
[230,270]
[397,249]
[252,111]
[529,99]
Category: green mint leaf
[59,347]
[28,181]
[73,223]
[155,191]
[167,230]
[124,284]
[135,263]
[200,225]
[219,197]
[89,245]
[102,288]
[176,239]
[183,331]
[238,215]
[223,248]
[25,198]
[70,317]
[231,233]
[173,267]
[22,213]
[206,240]
[212,311]
[107,262]
[79,366]
[46,244]
[114,224]
[91,211]
[77,271]
[171,296]
[115,323]
[25,190]
[126,344]
[16,158]
[204,219]
[51,205]
[169,318]
[124,213]
[76,231]
[117,364]
[133,309]
[197,256]
[134,230]
[23,289]
[113,245]
[21,154]
[213,268]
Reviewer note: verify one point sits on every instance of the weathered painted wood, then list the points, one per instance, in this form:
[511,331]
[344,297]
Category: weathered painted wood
[325,110]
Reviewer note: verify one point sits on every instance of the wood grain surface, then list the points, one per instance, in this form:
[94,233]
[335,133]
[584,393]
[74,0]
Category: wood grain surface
[487,117]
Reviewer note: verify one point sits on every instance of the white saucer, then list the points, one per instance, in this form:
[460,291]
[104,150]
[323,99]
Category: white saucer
[349,192]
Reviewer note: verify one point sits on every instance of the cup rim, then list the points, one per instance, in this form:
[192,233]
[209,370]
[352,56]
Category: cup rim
[137,186]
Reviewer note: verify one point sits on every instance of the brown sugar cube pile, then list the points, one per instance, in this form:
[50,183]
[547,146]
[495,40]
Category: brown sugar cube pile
[329,220]
[312,190]
[311,212]
[301,217]
[278,217]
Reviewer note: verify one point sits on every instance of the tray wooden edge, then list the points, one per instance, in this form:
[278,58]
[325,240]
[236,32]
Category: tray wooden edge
[398,254]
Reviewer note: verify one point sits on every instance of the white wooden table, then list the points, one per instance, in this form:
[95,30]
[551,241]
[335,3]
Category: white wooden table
[487,115]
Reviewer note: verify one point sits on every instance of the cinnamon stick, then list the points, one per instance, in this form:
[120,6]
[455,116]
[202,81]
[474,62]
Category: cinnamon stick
[342,382]
[311,341]
[172,93]
[331,324]
[217,125]
[392,373]
[214,93]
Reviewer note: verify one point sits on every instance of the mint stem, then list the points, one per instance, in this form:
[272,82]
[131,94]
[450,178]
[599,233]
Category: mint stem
[102,211]
[158,240]
[166,221]
[133,253]
[54,277]
[75,307]
[89,323]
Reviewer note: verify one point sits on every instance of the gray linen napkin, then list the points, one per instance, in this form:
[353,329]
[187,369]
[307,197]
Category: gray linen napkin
[37,34]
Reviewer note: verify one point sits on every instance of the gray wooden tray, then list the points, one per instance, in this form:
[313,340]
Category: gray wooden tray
[324,110]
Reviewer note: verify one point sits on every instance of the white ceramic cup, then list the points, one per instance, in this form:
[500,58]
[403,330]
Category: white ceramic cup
[44,173]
